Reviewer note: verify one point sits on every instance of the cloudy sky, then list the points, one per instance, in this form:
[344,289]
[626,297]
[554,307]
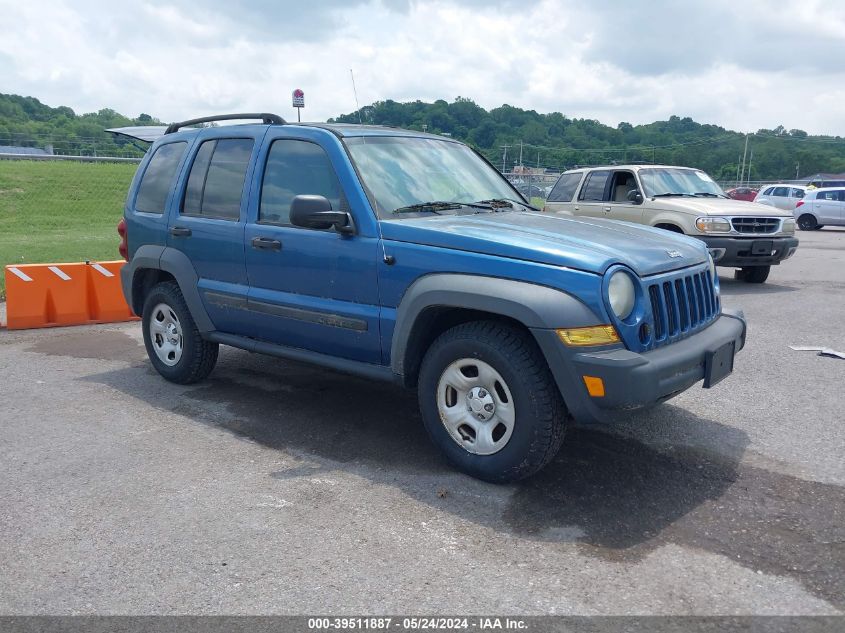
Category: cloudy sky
[743,64]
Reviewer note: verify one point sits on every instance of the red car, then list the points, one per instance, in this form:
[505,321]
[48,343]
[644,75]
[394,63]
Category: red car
[742,193]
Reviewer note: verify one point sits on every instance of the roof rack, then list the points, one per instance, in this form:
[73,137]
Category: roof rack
[266,118]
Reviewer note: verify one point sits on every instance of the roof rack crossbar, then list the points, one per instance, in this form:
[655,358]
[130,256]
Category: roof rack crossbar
[266,117]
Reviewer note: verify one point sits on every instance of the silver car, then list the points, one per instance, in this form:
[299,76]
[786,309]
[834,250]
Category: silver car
[820,207]
[781,196]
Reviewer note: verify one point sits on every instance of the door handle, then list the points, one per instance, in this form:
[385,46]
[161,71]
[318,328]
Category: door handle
[607,209]
[266,243]
[180,231]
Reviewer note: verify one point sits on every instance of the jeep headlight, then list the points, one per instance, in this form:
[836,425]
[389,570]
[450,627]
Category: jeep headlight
[713,225]
[789,226]
[621,294]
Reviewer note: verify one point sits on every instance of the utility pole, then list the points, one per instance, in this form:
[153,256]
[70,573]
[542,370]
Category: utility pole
[738,159]
[538,159]
[504,157]
[797,165]
[744,154]
[520,153]
[750,160]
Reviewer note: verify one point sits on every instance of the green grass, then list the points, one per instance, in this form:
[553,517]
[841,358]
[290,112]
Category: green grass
[60,211]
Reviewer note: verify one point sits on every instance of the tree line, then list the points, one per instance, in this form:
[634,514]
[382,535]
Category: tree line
[505,135]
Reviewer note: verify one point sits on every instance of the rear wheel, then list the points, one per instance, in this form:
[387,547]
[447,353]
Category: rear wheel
[808,222]
[174,345]
[754,274]
[489,401]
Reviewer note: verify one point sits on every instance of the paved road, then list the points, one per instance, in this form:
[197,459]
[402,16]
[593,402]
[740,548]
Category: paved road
[278,488]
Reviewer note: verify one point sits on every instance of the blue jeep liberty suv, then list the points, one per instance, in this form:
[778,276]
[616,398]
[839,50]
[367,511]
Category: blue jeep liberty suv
[407,257]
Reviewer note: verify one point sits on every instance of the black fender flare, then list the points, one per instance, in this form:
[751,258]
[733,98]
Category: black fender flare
[175,262]
[532,305]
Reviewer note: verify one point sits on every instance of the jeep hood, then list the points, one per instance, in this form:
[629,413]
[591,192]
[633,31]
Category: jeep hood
[589,244]
[716,206]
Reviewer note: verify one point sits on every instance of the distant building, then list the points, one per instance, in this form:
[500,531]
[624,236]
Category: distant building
[822,180]
[523,170]
[38,151]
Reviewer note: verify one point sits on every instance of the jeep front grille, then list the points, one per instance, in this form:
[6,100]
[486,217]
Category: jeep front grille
[755,225]
[682,304]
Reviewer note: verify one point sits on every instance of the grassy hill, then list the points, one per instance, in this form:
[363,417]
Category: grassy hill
[60,211]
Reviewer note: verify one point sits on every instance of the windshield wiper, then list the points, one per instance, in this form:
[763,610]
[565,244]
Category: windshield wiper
[503,204]
[670,194]
[435,206]
[708,194]
[442,205]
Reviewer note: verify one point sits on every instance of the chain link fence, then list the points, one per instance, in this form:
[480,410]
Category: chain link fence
[533,185]
[60,210]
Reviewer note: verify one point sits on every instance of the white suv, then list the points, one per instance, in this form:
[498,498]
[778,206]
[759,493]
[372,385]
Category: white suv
[780,196]
[747,236]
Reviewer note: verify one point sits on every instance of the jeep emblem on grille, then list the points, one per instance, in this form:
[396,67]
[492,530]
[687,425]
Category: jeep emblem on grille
[674,254]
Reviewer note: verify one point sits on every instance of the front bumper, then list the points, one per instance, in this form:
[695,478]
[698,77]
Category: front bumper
[633,380]
[760,250]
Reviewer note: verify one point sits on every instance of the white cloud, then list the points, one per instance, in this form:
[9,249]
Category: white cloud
[740,65]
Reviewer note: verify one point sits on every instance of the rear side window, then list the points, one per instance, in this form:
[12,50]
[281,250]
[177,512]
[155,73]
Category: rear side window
[564,188]
[216,183]
[158,178]
[830,195]
[295,168]
[594,186]
[797,193]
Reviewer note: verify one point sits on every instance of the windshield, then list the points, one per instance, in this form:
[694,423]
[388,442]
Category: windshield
[674,181]
[401,172]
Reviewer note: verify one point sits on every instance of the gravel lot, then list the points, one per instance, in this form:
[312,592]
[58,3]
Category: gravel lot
[275,487]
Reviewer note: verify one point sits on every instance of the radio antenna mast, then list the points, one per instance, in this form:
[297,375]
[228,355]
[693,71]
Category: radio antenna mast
[355,92]
[388,259]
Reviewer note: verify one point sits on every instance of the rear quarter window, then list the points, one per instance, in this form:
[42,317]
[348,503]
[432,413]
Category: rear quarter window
[159,177]
[564,188]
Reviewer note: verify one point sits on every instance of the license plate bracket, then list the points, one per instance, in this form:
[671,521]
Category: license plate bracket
[762,247]
[718,364]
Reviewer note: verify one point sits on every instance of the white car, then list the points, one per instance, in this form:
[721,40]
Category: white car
[820,207]
[781,196]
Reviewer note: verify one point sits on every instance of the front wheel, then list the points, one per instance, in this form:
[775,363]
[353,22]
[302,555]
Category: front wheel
[174,345]
[754,274]
[489,401]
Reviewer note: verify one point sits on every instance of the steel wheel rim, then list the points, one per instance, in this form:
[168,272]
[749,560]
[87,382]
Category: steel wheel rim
[166,334]
[476,406]
[806,223]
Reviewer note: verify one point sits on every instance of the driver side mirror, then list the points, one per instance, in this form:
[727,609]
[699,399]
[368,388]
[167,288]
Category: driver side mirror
[315,212]
[635,196]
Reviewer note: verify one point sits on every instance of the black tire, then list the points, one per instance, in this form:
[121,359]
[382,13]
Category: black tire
[755,274]
[540,413]
[198,356]
[807,222]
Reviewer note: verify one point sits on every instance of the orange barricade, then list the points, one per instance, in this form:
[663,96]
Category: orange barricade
[47,295]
